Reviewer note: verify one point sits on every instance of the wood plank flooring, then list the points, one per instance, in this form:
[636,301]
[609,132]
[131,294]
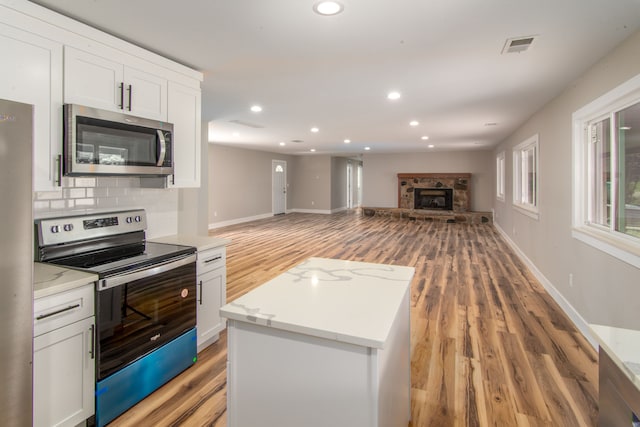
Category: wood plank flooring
[489,346]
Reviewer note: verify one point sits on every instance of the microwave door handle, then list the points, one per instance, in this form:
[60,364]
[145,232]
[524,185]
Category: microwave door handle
[163,148]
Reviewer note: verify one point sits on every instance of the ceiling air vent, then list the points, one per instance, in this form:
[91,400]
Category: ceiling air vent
[248,124]
[518,44]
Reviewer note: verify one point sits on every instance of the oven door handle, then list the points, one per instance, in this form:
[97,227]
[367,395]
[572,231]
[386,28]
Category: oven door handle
[142,273]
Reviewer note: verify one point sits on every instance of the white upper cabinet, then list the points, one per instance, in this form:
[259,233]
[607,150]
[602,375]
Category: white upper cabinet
[32,74]
[145,94]
[184,113]
[99,82]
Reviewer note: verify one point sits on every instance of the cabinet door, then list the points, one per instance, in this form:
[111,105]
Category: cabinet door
[64,375]
[145,94]
[32,73]
[92,80]
[184,112]
[212,294]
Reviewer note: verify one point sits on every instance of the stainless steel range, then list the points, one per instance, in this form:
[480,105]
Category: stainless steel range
[145,301]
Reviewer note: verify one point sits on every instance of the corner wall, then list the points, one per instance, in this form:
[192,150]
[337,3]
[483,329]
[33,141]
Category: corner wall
[597,287]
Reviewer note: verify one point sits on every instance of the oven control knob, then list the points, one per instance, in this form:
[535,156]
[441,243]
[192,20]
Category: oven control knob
[67,227]
[129,220]
[55,228]
[138,218]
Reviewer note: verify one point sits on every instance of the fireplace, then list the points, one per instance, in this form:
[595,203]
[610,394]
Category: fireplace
[457,185]
[433,198]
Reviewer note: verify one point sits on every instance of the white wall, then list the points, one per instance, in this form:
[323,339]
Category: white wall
[605,290]
[240,184]
[380,174]
[312,184]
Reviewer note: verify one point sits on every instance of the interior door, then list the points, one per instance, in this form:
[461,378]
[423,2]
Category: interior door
[279,186]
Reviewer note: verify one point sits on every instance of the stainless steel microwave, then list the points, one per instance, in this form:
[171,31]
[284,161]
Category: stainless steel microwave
[99,142]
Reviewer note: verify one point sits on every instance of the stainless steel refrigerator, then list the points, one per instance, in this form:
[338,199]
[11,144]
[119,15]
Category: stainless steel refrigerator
[16,264]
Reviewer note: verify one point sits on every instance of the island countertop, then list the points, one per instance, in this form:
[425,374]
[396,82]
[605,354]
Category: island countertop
[348,301]
[49,279]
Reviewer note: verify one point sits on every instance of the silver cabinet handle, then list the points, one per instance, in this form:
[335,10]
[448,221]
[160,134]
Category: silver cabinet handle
[92,350]
[121,87]
[200,300]
[53,313]
[130,90]
[213,259]
[58,181]
[163,148]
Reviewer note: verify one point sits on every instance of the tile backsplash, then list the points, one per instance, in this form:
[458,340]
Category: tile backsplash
[88,194]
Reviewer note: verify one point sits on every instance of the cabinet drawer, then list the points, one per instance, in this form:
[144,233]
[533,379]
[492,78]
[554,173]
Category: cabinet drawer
[211,259]
[55,311]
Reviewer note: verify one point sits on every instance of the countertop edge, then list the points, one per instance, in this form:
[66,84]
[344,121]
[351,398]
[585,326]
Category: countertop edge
[304,330]
[50,279]
[202,243]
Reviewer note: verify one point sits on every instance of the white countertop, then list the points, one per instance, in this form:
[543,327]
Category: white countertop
[623,347]
[348,301]
[202,243]
[49,279]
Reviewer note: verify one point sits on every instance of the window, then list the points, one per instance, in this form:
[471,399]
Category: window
[606,183]
[500,176]
[525,177]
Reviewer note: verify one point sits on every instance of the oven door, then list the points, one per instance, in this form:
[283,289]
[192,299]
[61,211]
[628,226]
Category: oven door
[142,310]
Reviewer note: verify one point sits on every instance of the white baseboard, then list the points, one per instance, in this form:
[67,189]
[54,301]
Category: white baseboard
[565,305]
[239,221]
[315,211]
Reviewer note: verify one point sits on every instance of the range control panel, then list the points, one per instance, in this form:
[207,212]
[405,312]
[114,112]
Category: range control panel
[51,231]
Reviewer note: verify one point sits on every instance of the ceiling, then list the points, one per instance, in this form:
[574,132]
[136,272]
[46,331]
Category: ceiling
[334,72]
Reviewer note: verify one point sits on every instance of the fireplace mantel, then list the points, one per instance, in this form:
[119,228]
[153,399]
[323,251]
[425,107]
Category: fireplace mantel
[459,182]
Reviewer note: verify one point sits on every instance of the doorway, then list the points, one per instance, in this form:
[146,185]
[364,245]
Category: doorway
[279,186]
[354,184]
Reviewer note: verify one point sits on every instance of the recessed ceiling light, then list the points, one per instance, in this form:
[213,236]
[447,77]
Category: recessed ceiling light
[328,8]
[282,143]
[315,130]
[414,123]
[430,145]
[256,108]
[367,148]
[236,134]
[424,138]
[347,141]
[393,95]
[313,150]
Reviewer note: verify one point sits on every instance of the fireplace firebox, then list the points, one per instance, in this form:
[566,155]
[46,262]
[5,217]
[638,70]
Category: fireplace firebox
[433,198]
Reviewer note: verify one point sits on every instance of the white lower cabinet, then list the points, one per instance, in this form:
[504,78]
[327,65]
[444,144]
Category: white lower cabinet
[212,294]
[64,358]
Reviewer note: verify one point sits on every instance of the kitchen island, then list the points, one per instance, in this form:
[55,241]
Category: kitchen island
[619,375]
[325,343]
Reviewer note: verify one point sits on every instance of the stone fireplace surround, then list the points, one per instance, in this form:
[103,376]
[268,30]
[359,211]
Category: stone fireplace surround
[459,182]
